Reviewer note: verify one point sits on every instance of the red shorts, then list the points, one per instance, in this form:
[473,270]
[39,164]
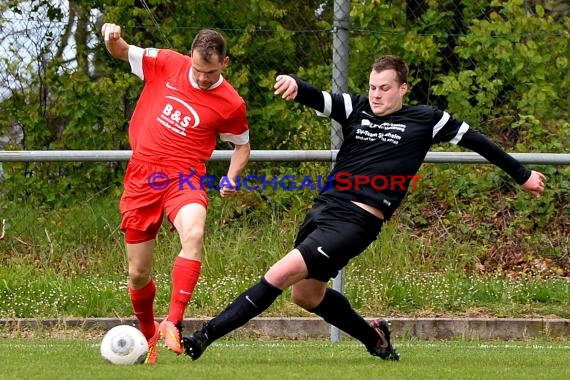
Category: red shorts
[151,191]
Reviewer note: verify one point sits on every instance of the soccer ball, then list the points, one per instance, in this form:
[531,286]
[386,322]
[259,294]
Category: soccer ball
[124,344]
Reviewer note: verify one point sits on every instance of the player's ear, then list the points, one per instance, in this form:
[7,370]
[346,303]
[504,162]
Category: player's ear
[403,88]
[226,61]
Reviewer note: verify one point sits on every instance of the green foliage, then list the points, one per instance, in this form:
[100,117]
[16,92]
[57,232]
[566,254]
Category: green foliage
[512,68]
[503,67]
[504,73]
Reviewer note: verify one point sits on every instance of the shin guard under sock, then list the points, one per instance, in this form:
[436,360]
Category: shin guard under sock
[246,306]
[143,307]
[336,310]
[185,275]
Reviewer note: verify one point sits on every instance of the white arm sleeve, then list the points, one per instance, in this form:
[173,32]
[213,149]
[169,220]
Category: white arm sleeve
[135,59]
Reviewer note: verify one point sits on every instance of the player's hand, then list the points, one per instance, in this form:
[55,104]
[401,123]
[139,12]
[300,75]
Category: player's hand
[286,86]
[535,183]
[111,32]
[229,187]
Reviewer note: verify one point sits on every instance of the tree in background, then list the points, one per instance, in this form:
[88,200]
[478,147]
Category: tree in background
[501,65]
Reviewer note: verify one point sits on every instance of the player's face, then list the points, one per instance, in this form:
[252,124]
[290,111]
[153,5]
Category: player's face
[206,73]
[385,93]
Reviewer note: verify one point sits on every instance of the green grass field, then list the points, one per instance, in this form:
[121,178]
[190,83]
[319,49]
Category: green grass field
[77,359]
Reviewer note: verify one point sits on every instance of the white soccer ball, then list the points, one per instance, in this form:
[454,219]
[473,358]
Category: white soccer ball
[124,344]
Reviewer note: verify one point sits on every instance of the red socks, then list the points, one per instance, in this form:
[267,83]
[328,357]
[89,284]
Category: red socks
[185,274]
[143,306]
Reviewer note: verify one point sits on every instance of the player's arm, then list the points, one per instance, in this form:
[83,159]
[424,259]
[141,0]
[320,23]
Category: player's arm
[530,180]
[238,161]
[335,106]
[293,88]
[114,43]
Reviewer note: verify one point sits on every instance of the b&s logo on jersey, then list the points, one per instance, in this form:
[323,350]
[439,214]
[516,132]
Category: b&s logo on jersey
[177,115]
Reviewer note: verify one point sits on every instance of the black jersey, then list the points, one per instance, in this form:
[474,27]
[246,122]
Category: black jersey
[380,155]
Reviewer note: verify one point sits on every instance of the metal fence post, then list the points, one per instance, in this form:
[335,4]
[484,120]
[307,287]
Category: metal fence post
[341,24]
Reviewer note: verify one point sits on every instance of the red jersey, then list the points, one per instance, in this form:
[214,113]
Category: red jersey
[175,123]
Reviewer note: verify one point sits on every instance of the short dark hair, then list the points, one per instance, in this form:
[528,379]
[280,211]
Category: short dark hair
[392,62]
[208,43]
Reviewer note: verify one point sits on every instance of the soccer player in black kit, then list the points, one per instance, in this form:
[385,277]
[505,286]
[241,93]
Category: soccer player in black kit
[383,138]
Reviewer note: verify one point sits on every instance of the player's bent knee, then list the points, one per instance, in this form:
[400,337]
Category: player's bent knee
[301,300]
[139,278]
[192,234]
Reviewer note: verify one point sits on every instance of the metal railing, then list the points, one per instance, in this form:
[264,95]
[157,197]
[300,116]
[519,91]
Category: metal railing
[272,155]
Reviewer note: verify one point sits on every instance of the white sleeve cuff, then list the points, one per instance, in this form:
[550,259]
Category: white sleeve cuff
[135,59]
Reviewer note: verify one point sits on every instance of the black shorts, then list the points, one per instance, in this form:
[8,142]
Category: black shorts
[334,232]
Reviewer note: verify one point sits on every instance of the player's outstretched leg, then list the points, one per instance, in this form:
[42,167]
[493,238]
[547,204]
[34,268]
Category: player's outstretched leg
[246,306]
[383,347]
[195,344]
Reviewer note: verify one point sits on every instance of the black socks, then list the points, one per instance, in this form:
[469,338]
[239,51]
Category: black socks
[336,310]
[246,306]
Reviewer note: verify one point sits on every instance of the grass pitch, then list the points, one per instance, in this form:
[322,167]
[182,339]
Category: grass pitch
[283,360]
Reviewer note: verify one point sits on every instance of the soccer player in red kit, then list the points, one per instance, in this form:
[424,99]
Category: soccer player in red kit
[184,105]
